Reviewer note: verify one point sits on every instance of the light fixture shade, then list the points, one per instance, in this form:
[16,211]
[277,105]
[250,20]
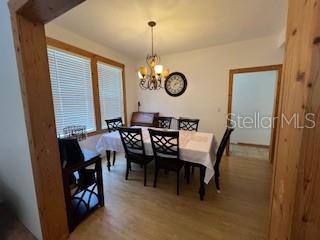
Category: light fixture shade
[158,69]
[143,71]
[165,72]
[140,75]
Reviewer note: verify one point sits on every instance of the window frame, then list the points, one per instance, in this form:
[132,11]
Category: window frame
[94,59]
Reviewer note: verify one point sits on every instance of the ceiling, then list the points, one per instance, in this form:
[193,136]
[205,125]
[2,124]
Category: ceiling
[181,24]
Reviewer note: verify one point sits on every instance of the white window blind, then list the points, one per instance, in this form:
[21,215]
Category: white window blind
[71,83]
[110,92]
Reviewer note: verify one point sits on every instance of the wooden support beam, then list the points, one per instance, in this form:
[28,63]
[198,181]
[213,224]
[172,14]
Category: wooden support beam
[42,11]
[37,99]
[28,18]
[295,212]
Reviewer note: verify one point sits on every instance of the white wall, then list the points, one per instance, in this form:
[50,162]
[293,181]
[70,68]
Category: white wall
[253,94]
[62,34]
[207,72]
[16,178]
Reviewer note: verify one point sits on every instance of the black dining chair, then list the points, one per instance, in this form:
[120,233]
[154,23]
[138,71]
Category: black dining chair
[219,155]
[166,151]
[83,187]
[133,145]
[114,125]
[188,124]
[164,122]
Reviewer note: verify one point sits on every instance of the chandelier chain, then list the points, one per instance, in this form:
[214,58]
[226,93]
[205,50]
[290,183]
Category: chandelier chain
[152,41]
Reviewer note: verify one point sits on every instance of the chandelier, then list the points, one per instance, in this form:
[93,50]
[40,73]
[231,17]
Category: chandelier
[152,79]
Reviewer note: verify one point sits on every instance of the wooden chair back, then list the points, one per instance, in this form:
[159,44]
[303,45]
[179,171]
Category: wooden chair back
[132,141]
[165,144]
[114,124]
[164,122]
[223,145]
[70,151]
[188,124]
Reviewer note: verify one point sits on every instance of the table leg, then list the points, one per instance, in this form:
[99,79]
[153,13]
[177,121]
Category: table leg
[108,153]
[187,172]
[202,190]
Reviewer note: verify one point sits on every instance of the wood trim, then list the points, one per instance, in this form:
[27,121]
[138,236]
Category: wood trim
[232,72]
[109,61]
[68,47]
[230,90]
[95,82]
[96,94]
[275,67]
[71,48]
[124,87]
[276,113]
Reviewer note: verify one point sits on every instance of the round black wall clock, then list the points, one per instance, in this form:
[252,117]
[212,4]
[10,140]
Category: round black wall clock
[175,84]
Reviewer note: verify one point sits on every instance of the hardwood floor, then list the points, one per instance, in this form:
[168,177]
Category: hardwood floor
[133,211]
[250,151]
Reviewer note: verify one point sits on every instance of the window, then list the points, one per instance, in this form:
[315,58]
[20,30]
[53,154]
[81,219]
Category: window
[72,93]
[78,77]
[110,92]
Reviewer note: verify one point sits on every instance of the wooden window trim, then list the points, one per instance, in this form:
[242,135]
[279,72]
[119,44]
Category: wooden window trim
[95,58]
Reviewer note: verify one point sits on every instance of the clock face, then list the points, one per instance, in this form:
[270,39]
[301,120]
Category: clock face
[175,84]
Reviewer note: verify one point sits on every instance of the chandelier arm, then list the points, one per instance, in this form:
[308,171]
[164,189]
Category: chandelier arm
[141,85]
[159,83]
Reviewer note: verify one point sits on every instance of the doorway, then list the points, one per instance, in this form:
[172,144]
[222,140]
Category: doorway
[252,108]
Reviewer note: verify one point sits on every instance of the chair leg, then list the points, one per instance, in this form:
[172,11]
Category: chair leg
[178,174]
[114,157]
[217,180]
[145,175]
[192,170]
[127,171]
[155,178]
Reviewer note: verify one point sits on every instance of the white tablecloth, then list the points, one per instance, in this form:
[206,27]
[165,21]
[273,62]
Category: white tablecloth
[195,147]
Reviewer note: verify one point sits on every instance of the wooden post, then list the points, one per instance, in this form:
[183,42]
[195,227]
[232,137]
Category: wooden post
[295,212]
[28,18]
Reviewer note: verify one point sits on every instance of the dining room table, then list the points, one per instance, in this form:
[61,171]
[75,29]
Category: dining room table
[196,148]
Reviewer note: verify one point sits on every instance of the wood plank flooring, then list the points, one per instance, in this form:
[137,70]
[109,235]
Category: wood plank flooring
[249,151]
[133,211]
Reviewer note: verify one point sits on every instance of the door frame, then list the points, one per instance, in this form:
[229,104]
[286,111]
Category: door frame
[278,68]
